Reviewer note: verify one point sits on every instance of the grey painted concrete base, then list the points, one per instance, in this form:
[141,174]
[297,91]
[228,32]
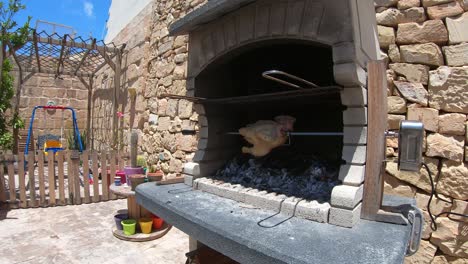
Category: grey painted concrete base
[231,228]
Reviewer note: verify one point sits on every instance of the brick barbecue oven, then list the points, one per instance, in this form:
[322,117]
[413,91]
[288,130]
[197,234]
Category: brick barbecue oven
[325,42]
[256,60]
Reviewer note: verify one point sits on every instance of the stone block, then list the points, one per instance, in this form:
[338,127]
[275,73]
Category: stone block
[390,152]
[450,237]
[396,105]
[437,205]
[447,89]
[289,205]
[163,69]
[199,108]
[343,52]
[427,54]
[463,4]
[355,96]
[344,196]
[355,155]
[344,217]
[172,107]
[415,73]
[394,53]
[405,4]
[429,31]
[232,191]
[161,107]
[456,55]
[393,121]
[352,174]
[386,36]
[257,198]
[185,109]
[394,186]
[427,3]
[204,132]
[459,207]
[350,74]
[452,124]
[355,135]
[391,17]
[444,10]
[312,210]
[456,27]
[180,72]
[419,179]
[180,59]
[164,123]
[428,116]
[385,3]
[413,14]
[192,168]
[355,116]
[445,146]
[453,179]
[425,254]
[188,180]
[203,121]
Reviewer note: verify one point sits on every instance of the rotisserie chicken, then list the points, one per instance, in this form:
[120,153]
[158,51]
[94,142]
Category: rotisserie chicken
[266,135]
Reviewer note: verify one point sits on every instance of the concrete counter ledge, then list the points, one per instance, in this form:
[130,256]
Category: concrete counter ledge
[231,228]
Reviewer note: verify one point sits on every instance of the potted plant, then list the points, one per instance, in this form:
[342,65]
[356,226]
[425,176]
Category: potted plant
[136,179]
[155,173]
[133,169]
[141,162]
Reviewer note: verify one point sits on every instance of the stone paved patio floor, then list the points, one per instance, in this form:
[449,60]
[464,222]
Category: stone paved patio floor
[80,234]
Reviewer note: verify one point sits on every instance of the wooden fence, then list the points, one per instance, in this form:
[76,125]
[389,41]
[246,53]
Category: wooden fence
[66,178]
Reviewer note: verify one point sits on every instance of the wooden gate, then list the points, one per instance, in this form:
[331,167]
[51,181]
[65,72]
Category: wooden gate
[63,179]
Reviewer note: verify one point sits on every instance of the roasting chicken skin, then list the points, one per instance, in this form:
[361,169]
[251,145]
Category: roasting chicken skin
[266,135]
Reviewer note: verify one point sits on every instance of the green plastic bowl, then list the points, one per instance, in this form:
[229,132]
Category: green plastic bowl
[129,226]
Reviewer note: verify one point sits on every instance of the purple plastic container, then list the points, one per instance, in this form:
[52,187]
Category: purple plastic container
[118,220]
[130,171]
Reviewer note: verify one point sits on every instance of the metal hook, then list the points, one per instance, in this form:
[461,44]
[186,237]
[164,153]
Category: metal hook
[267,75]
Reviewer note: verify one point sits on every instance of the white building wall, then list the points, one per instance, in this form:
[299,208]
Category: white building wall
[121,12]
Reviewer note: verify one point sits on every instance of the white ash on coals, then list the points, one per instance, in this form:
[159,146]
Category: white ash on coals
[283,172]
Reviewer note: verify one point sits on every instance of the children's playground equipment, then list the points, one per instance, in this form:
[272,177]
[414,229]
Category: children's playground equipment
[50,142]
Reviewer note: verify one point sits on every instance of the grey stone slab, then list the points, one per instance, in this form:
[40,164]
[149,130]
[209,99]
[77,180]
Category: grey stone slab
[209,11]
[230,228]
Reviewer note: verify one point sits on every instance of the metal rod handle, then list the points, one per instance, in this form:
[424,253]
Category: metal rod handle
[303,133]
[267,75]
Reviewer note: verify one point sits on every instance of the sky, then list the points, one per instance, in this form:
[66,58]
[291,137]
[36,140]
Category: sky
[86,17]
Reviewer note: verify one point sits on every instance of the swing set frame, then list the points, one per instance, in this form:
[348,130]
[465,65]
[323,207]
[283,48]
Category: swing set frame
[76,131]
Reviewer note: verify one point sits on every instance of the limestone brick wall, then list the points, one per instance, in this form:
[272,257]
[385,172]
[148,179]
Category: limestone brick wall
[65,91]
[426,45]
[153,64]
[131,102]
[162,140]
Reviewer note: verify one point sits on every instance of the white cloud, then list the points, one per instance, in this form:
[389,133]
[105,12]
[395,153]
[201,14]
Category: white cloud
[88,8]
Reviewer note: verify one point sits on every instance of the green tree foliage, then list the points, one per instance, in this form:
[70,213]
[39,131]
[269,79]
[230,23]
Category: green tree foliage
[12,37]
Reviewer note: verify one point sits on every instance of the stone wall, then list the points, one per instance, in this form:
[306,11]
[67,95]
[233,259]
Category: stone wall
[133,81]
[153,64]
[64,91]
[162,141]
[426,45]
